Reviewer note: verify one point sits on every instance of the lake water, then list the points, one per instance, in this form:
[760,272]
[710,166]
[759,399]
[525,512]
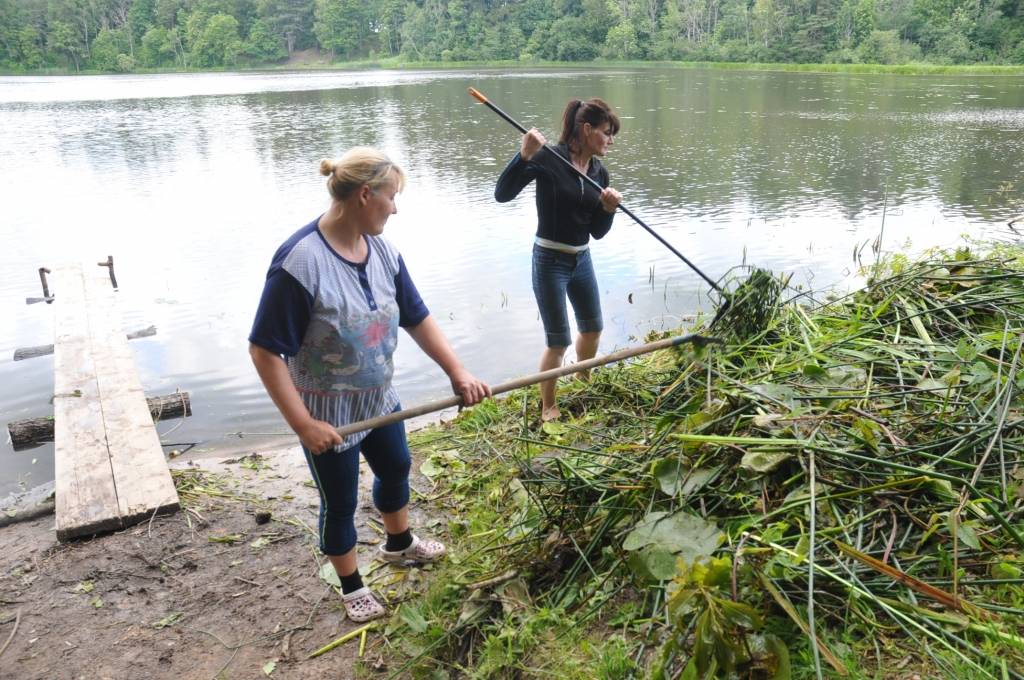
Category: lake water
[192,181]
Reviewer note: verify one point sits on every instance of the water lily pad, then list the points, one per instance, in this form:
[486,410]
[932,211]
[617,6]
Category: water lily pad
[764,461]
[442,463]
[675,476]
[688,536]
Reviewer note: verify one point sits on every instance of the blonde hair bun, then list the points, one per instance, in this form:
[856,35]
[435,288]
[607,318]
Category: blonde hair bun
[361,165]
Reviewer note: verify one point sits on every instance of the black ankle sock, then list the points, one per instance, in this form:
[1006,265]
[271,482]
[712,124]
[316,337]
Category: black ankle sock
[351,583]
[398,542]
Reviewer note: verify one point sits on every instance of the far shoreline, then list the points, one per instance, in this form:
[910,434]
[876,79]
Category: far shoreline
[399,64]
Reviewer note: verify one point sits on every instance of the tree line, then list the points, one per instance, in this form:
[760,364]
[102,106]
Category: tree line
[128,35]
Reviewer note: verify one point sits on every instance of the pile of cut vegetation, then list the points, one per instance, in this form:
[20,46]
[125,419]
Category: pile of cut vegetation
[837,495]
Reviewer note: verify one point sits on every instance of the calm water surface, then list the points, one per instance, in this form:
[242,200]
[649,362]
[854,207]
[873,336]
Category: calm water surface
[192,181]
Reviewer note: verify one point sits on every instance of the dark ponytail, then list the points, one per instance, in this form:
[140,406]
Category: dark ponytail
[577,112]
[572,109]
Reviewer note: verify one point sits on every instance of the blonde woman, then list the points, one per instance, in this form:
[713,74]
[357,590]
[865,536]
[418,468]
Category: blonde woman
[322,343]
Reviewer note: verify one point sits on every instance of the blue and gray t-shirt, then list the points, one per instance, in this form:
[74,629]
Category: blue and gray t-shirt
[336,323]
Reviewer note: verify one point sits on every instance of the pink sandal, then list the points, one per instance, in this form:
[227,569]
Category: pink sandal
[362,605]
[418,551]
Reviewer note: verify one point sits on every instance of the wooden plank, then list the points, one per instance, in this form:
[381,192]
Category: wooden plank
[141,477]
[86,498]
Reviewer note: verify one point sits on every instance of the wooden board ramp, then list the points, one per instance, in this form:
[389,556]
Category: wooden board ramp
[109,466]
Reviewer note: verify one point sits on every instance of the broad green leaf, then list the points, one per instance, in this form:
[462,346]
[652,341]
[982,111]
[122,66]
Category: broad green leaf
[719,571]
[413,618]
[473,609]
[441,463]
[674,476]
[980,373]
[269,667]
[764,461]
[1006,570]
[519,494]
[430,468]
[951,379]
[941,487]
[715,572]
[932,384]
[814,371]
[653,564]
[849,376]
[966,535]
[668,471]
[329,575]
[554,428]
[689,536]
[869,431]
[778,393]
[965,350]
[697,479]
[780,666]
[739,614]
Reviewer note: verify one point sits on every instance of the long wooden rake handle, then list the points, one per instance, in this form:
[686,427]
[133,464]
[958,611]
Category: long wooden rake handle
[479,96]
[430,407]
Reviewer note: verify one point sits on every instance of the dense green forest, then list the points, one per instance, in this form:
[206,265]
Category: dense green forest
[128,35]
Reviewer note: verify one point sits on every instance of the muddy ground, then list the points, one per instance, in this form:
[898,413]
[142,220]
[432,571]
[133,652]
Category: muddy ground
[207,592]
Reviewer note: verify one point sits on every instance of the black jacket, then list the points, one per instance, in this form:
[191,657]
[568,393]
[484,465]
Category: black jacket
[568,208]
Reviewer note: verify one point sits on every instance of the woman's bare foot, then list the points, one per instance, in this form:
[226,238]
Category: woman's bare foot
[549,414]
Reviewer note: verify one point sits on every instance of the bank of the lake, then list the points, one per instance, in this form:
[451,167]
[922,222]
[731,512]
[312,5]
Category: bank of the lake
[838,494]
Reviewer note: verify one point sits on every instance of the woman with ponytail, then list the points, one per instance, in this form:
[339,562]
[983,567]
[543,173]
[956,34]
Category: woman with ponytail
[322,343]
[569,212]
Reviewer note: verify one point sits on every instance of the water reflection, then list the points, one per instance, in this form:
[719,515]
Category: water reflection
[192,181]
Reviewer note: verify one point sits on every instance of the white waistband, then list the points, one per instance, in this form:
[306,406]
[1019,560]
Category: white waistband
[560,247]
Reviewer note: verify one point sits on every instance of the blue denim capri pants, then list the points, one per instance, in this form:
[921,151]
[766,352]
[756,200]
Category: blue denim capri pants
[557,275]
[336,474]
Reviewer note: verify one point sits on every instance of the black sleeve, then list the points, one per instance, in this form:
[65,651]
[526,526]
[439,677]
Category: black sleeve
[517,174]
[601,223]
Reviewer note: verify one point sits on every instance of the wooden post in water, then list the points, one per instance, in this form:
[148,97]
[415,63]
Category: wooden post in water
[31,432]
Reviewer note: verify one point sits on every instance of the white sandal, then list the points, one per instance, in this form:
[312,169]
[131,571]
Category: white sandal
[418,551]
[362,605]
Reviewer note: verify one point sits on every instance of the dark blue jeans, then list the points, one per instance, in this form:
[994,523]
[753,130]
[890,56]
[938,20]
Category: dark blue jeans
[336,474]
[557,275]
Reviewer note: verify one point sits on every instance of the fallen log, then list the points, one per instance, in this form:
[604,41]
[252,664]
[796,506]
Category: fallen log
[32,432]
[43,350]
[41,510]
